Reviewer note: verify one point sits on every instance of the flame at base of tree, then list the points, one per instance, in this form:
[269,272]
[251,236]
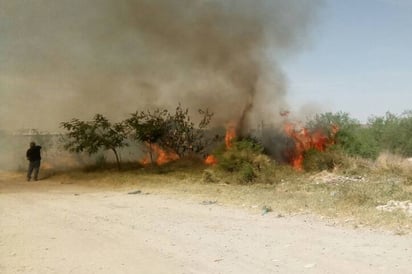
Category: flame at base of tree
[305,139]
[160,156]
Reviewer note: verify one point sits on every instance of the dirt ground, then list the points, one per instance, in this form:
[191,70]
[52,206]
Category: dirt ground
[54,227]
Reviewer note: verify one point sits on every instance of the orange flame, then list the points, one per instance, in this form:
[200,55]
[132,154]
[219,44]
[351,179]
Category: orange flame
[305,140]
[229,137]
[210,160]
[161,156]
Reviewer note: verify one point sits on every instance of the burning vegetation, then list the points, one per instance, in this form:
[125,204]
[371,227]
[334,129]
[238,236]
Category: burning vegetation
[170,136]
[305,139]
[158,155]
[230,137]
[323,143]
[194,52]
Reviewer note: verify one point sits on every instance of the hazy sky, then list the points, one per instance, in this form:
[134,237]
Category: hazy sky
[359,60]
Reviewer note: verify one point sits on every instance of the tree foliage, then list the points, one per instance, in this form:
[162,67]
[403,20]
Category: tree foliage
[393,133]
[390,133]
[182,135]
[346,137]
[91,136]
[173,132]
[148,127]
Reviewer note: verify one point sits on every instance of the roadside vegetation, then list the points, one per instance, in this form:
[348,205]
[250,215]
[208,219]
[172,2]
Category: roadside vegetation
[363,177]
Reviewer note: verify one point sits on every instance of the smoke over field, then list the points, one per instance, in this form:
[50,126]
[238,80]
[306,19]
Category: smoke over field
[74,58]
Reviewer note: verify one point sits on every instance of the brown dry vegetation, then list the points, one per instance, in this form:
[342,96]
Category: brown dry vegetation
[345,197]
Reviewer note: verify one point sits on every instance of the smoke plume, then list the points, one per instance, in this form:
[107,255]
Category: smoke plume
[74,58]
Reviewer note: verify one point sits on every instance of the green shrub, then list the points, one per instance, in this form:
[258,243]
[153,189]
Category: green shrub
[346,136]
[242,152]
[329,159]
[246,173]
[393,133]
[243,161]
[387,133]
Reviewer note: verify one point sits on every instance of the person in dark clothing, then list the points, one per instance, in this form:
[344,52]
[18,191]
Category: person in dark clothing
[34,157]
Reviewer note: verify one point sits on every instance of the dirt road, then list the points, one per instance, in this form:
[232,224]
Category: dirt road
[71,229]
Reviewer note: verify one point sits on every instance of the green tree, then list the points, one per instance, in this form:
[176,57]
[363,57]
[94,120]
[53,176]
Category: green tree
[390,133]
[352,137]
[148,127]
[182,135]
[406,133]
[91,136]
[393,133]
[173,132]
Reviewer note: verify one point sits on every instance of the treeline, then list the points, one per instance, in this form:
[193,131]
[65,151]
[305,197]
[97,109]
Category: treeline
[174,132]
[389,133]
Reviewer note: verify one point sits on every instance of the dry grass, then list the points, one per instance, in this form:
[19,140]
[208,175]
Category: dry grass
[394,163]
[348,197]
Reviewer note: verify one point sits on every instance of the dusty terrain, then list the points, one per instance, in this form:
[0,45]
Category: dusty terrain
[54,227]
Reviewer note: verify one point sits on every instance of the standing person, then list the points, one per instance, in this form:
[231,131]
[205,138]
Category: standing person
[33,155]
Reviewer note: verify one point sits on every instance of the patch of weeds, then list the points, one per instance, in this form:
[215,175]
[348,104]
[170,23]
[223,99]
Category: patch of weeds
[209,176]
[246,173]
[315,160]
[352,195]
[241,152]
[408,180]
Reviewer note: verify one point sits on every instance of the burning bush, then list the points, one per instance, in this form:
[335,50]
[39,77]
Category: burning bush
[307,139]
[240,153]
[148,127]
[243,158]
[167,136]
[320,144]
[182,136]
[387,133]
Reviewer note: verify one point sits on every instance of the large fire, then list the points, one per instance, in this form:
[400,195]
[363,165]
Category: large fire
[304,140]
[160,155]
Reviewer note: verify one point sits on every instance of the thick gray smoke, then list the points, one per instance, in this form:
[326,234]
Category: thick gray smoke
[74,58]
